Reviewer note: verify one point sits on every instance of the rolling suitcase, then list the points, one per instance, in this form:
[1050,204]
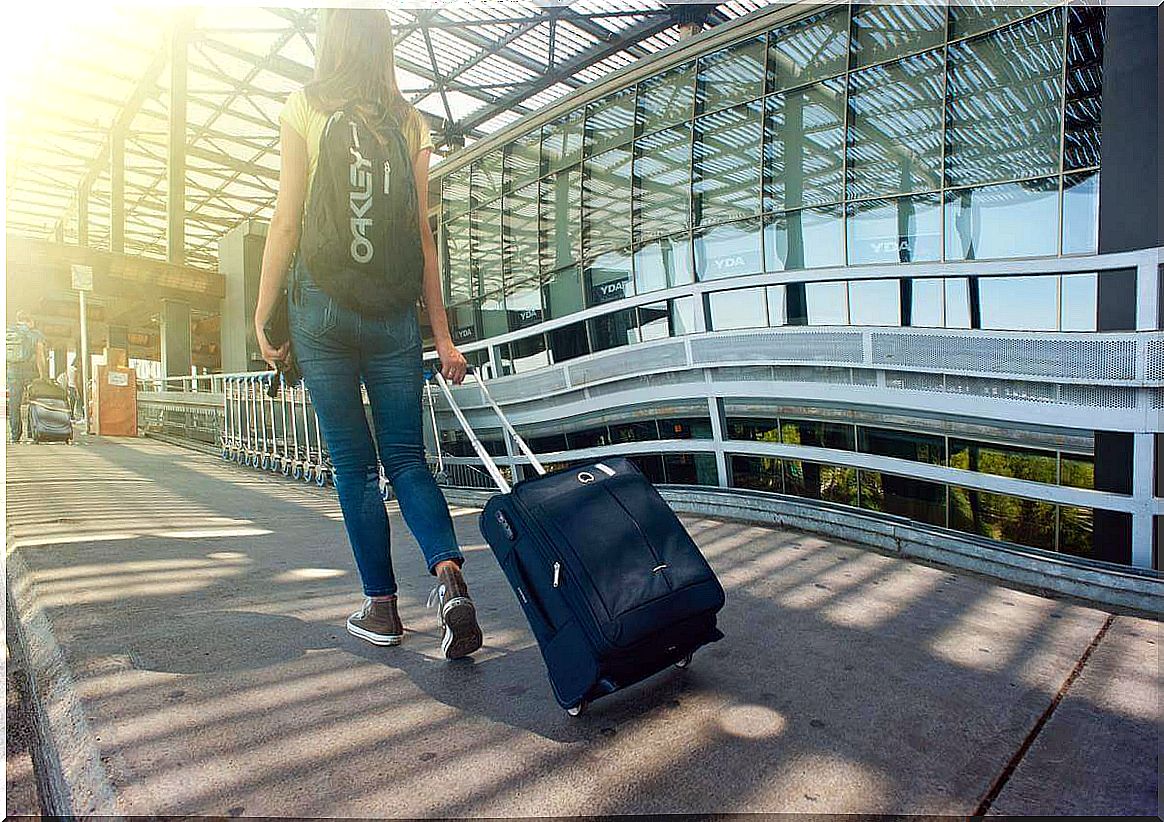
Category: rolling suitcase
[48,420]
[614,588]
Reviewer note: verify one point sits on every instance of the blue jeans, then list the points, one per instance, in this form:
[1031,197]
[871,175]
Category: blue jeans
[337,349]
[19,376]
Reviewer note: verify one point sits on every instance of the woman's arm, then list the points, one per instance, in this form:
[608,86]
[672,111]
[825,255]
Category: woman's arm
[453,364]
[283,234]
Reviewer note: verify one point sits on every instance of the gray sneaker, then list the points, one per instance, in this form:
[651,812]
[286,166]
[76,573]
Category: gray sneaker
[456,615]
[377,622]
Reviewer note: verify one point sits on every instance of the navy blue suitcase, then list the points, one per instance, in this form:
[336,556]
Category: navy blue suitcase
[613,586]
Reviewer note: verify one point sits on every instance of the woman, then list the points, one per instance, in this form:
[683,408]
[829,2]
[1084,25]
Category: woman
[337,348]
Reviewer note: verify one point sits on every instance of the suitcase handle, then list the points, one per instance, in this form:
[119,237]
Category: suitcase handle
[486,458]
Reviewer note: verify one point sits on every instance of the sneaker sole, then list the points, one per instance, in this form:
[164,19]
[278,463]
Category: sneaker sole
[375,639]
[462,633]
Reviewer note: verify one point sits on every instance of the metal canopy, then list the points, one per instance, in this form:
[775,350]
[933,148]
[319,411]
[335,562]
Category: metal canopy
[97,86]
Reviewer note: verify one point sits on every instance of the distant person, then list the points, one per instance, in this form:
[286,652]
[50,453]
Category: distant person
[67,380]
[353,199]
[26,359]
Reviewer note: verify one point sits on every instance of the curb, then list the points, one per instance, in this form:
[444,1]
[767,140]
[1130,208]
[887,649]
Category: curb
[72,780]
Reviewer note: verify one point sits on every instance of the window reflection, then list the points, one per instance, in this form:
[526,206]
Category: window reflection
[521,247]
[1081,126]
[606,201]
[526,354]
[666,99]
[1081,213]
[999,517]
[609,278]
[777,305]
[726,177]
[895,135]
[957,302]
[1003,92]
[523,304]
[561,219]
[485,236]
[833,483]
[610,121]
[671,318]
[927,303]
[804,146]
[458,270]
[462,323]
[1019,303]
[730,76]
[691,469]
[901,230]
[663,263]
[729,250]
[756,473]
[1008,220]
[883,31]
[904,497]
[739,308]
[523,160]
[809,49]
[568,342]
[562,292]
[614,330]
[491,312]
[875,302]
[827,303]
[455,192]
[682,316]
[1003,460]
[562,142]
[662,183]
[975,16]
[809,238]
[486,177]
[1078,310]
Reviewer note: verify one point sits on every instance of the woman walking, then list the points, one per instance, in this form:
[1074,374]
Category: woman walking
[349,326]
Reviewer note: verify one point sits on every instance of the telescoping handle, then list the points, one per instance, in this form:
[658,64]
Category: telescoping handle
[490,464]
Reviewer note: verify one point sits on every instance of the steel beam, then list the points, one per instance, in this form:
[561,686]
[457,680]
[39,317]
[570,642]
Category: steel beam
[176,164]
[117,192]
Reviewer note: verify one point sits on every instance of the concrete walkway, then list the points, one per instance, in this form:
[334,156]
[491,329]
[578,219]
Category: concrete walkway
[198,608]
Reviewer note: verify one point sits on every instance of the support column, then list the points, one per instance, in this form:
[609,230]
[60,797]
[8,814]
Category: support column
[1143,489]
[176,166]
[117,192]
[240,260]
[83,214]
[175,330]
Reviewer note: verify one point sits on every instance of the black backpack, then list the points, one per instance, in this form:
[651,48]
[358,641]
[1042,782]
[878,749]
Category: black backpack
[361,232]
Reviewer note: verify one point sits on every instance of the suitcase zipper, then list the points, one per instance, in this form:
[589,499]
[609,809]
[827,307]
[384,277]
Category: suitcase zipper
[557,573]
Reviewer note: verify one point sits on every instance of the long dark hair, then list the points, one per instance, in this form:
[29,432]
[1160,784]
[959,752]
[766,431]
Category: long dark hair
[355,66]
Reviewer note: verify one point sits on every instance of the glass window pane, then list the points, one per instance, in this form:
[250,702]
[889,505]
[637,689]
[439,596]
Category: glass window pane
[875,302]
[728,250]
[562,292]
[957,302]
[809,49]
[1019,303]
[883,31]
[485,236]
[455,192]
[666,99]
[685,428]
[903,445]
[740,308]
[662,183]
[487,177]
[651,466]
[1081,124]
[523,160]
[827,303]
[752,428]
[901,230]
[663,263]
[606,202]
[1004,103]
[609,278]
[1000,517]
[1076,530]
[637,431]
[731,75]
[1081,213]
[682,316]
[895,131]
[1003,460]
[458,268]
[462,323]
[691,469]
[974,16]
[804,144]
[1077,470]
[725,181]
[610,121]
[927,303]
[825,482]
[614,330]
[491,312]
[654,321]
[809,238]
[1078,310]
[561,219]
[528,354]
[817,434]
[904,497]
[521,249]
[562,142]
[568,342]
[755,473]
[1008,220]
[777,306]
[523,303]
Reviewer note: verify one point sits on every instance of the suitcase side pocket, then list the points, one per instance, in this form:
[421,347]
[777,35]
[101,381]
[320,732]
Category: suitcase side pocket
[531,602]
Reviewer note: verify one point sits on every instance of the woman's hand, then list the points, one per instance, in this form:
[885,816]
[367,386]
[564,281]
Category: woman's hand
[453,365]
[270,354]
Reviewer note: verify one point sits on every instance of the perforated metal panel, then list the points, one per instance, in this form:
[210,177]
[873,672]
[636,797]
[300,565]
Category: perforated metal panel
[813,373]
[1098,396]
[914,381]
[1158,398]
[622,363]
[1084,358]
[742,373]
[780,346]
[864,376]
[1154,360]
[1024,390]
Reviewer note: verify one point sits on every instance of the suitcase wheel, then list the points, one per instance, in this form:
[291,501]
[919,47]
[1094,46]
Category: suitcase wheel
[684,662]
[576,710]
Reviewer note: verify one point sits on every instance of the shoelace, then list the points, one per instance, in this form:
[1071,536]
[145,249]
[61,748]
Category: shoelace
[437,596]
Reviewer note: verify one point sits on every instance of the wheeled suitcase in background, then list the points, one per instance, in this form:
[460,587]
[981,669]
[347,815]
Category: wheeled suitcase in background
[614,588]
[48,412]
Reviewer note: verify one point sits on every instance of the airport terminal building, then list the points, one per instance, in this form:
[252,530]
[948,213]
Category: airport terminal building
[839,262]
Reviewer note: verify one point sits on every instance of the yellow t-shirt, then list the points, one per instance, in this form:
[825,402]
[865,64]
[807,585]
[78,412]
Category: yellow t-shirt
[309,124]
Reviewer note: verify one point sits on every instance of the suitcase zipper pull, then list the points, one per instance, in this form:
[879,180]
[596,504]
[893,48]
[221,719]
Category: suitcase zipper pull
[557,573]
